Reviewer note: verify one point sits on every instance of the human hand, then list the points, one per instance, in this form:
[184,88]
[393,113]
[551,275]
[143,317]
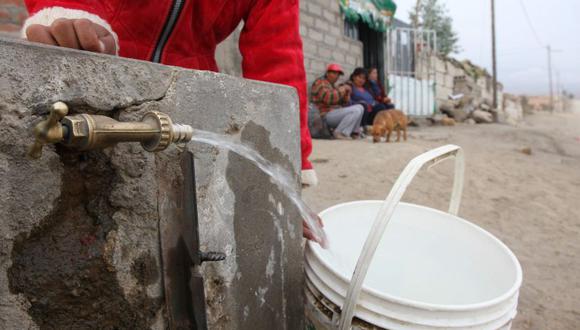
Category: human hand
[387,99]
[308,233]
[74,33]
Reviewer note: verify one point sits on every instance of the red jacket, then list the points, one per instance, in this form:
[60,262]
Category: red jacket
[270,41]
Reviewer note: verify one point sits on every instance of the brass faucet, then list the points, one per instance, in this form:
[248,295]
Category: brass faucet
[155,131]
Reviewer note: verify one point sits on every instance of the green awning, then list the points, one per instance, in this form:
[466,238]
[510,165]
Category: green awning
[377,14]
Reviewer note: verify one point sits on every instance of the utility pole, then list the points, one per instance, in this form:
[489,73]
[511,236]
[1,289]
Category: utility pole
[549,48]
[494,59]
[559,97]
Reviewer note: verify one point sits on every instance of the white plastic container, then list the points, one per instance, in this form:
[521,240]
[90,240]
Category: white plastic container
[429,270]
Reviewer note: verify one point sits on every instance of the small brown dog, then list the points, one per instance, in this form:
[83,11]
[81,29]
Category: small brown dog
[388,120]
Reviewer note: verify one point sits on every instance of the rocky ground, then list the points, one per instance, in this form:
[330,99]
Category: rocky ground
[522,184]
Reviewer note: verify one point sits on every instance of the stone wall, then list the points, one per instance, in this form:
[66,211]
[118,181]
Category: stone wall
[446,74]
[79,231]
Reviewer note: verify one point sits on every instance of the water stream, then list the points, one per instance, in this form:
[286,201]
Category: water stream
[283,179]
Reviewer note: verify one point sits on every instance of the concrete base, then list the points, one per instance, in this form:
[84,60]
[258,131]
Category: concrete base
[79,240]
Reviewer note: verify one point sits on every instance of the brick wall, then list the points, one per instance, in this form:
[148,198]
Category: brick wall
[321,28]
[12,15]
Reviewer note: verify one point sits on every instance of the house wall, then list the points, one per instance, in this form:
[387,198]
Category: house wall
[452,79]
[322,31]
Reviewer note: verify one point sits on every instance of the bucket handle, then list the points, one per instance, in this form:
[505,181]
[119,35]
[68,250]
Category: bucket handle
[430,158]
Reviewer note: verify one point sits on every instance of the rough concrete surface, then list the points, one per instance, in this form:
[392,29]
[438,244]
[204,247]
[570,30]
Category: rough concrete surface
[79,239]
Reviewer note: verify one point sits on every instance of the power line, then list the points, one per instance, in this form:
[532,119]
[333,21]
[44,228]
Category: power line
[530,24]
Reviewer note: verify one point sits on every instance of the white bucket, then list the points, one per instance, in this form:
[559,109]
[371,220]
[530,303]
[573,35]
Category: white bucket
[431,270]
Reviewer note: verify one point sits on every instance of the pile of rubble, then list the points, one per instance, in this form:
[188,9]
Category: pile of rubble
[462,109]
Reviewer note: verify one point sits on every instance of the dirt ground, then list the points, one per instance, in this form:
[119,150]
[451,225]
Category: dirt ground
[530,202]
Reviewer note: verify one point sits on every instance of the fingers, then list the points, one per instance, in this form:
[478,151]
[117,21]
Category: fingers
[110,47]
[74,33]
[87,36]
[40,33]
[308,233]
[320,221]
[108,42]
[63,32]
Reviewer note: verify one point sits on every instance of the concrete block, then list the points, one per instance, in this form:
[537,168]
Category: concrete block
[79,236]
[336,30]
[323,3]
[306,19]
[309,47]
[324,53]
[318,66]
[303,30]
[322,25]
[314,9]
[315,35]
[356,48]
[344,45]
[331,17]
[337,56]
[351,60]
[330,40]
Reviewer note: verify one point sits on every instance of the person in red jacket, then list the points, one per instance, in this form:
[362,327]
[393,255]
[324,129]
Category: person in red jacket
[184,33]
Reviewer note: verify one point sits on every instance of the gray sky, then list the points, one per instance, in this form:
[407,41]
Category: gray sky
[522,57]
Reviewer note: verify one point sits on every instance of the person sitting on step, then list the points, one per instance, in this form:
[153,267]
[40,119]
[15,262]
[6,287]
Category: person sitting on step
[334,104]
[377,89]
[361,95]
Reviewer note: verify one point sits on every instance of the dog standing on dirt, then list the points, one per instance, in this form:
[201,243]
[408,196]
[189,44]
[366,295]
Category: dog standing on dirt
[388,120]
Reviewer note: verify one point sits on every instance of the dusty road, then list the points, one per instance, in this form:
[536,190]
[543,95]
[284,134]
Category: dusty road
[531,202]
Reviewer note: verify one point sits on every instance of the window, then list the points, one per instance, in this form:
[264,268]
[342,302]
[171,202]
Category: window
[351,30]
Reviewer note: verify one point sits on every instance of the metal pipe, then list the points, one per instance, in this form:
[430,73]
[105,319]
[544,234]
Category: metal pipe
[155,131]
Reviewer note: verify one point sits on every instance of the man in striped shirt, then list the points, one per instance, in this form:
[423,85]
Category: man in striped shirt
[334,104]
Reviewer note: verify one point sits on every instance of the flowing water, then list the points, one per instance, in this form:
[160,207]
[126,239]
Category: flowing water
[283,179]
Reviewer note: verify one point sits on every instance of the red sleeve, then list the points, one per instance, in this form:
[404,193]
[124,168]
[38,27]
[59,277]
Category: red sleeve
[99,8]
[272,51]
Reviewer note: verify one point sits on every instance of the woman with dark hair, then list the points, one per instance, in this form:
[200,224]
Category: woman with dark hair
[361,95]
[375,87]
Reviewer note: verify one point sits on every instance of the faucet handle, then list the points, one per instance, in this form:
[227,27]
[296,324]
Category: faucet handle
[49,130]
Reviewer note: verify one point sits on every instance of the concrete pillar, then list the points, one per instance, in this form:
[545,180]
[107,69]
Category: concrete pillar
[79,239]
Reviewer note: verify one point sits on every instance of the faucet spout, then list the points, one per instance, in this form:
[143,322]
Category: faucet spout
[155,131]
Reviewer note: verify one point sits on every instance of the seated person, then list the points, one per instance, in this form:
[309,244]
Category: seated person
[334,104]
[360,95]
[375,87]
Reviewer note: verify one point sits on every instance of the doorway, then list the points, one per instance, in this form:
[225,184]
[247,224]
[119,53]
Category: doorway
[373,49]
